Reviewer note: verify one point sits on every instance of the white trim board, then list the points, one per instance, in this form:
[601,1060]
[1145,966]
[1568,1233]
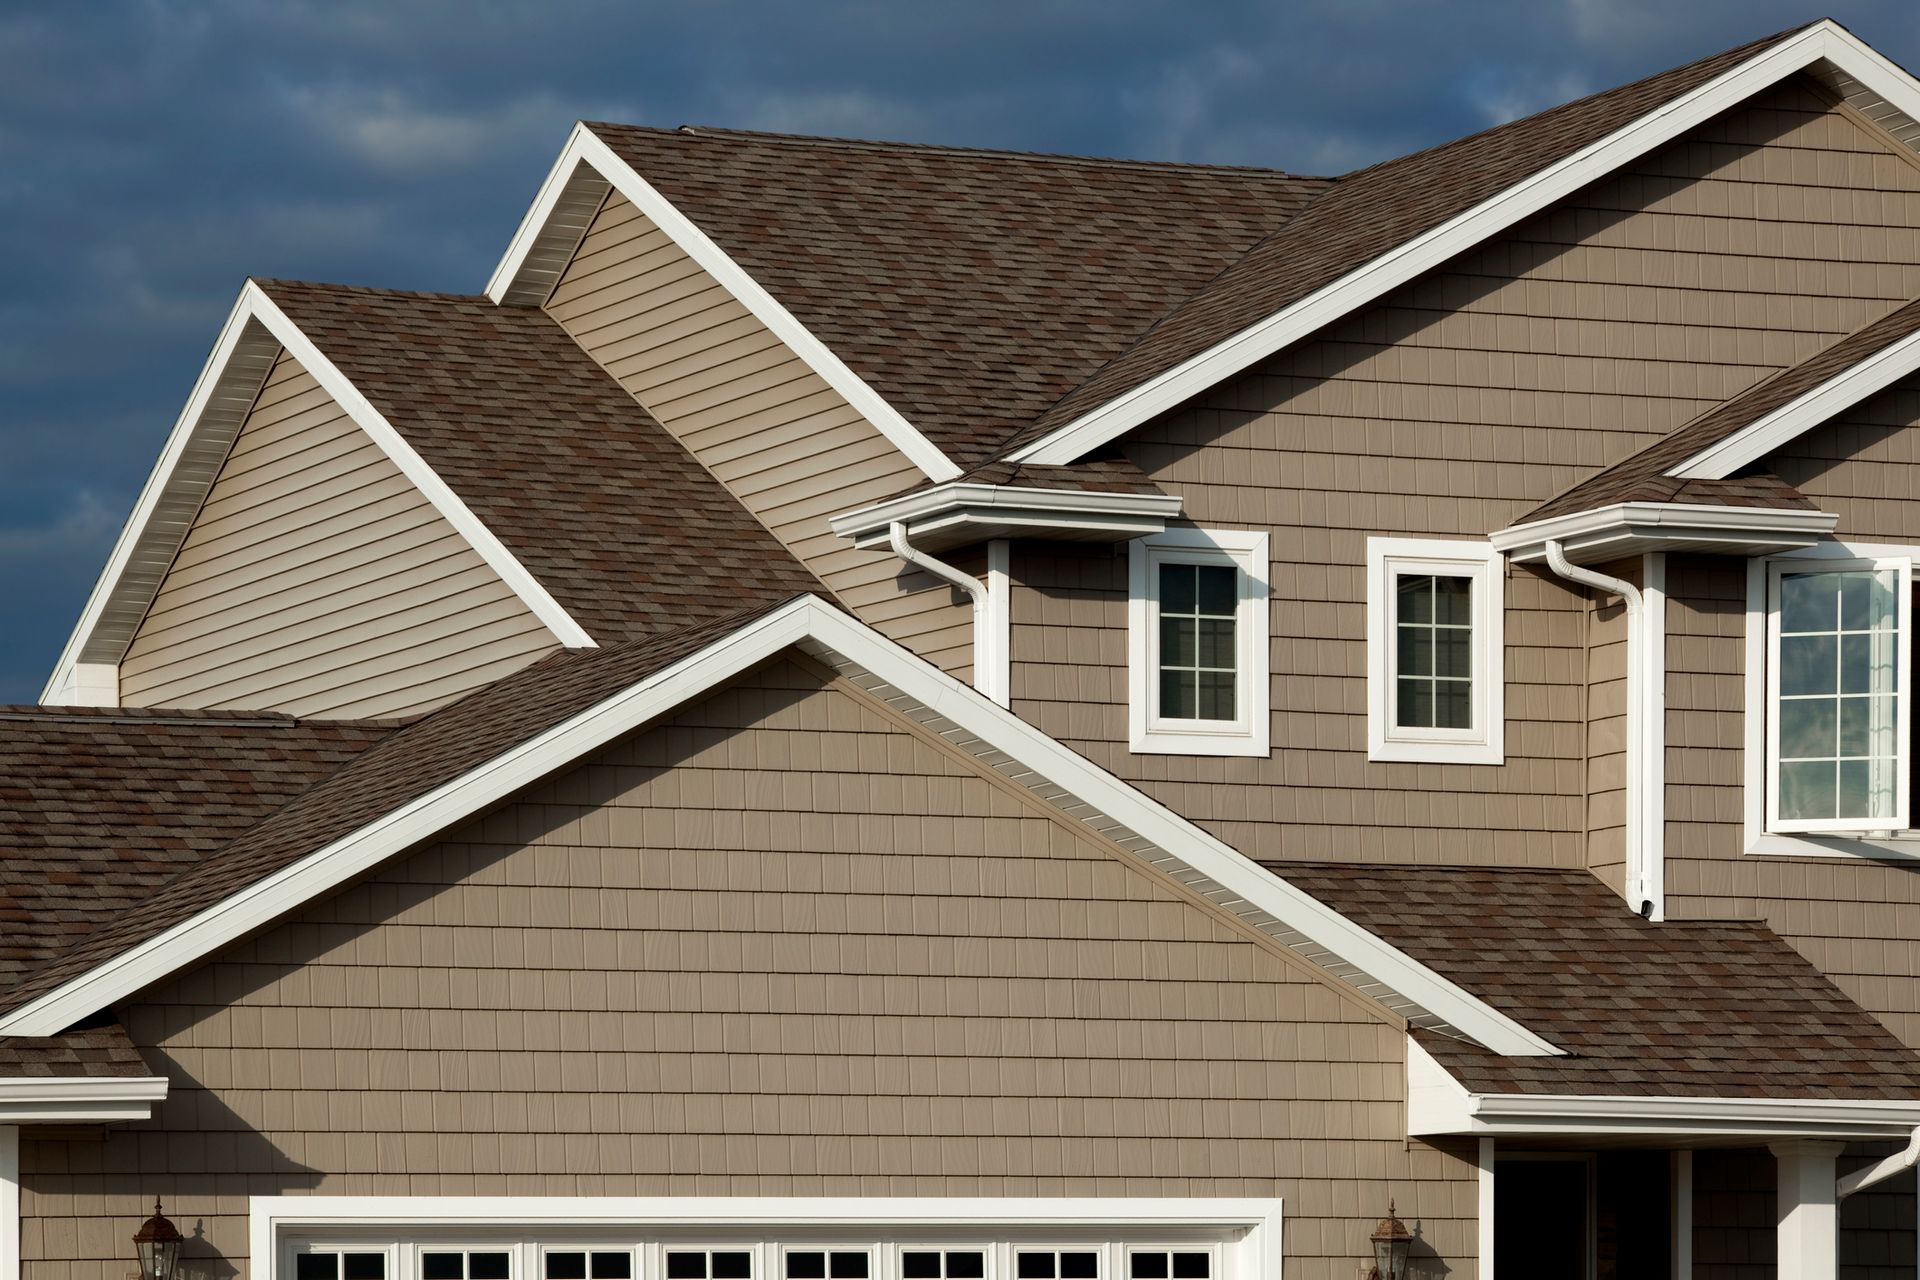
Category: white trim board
[1825,41]
[585,147]
[256,317]
[79,1099]
[1003,740]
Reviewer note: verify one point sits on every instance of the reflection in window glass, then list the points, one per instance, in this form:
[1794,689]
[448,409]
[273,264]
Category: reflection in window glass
[1199,606]
[1838,665]
[1433,651]
[943,1264]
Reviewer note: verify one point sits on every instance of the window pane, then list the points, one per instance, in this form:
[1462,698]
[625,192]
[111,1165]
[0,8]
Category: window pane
[1807,728]
[1177,589]
[1453,704]
[686,1266]
[849,1266]
[1035,1266]
[1079,1266]
[613,1266]
[487,1266]
[810,1265]
[1147,1266]
[1192,1266]
[920,1264]
[1216,695]
[363,1266]
[1414,707]
[1452,652]
[1807,789]
[1453,601]
[441,1266]
[1416,651]
[968,1265]
[1216,643]
[1416,597]
[1177,641]
[1807,664]
[1807,603]
[732,1265]
[566,1266]
[1218,588]
[1178,695]
[316,1266]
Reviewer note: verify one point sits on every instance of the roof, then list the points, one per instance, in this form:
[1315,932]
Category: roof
[630,534]
[99,808]
[1368,213]
[970,289]
[1643,476]
[90,1052]
[408,763]
[1725,1008]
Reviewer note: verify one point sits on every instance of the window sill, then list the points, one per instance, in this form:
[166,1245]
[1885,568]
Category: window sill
[1437,752]
[1168,742]
[1898,847]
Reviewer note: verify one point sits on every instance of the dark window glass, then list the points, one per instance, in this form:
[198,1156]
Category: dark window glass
[1147,1266]
[969,1264]
[1433,652]
[613,1266]
[487,1266]
[363,1266]
[1079,1266]
[1198,645]
[848,1265]
[915,1264]
[316,1266]
[1192,1266]
[732,1266]
[1035,1266]
[808,1265]
[567,1266]
[686,1266]
[441,1266]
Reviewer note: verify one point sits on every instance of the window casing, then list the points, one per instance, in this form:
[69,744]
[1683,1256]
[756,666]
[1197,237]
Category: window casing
[1198,643]
[1435,651]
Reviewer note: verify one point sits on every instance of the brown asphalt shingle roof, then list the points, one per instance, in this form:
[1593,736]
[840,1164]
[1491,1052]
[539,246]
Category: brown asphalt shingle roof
[99,808]
[406,764]
[1642,478]
[970,289]
[605,509]
[97,1051]
[1672,1009]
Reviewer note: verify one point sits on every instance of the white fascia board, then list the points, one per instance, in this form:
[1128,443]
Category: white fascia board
[1438,1104]
[60,683]
[1233,877]
[1075,512]
[79,1100]
[414,467]
[585,147]
[1791,420]
[1492,216]
[1631,528]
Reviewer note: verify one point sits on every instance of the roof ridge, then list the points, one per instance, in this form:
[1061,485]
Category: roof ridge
[373,290]
[725,133]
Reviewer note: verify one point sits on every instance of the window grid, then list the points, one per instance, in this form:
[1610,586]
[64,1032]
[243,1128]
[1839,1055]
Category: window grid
[1170,1264]
[1838,704]
[1433,651]
[1056,1264]
[731,1263]
[922,1263]
[1199,668]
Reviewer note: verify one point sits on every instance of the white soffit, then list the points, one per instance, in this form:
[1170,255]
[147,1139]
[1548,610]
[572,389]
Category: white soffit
[919,690]
[1634,528]
[524,274]
[1825,48]
[954,514]
[255,333]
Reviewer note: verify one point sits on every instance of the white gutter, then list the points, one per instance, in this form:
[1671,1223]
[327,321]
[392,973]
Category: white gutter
[1898,1162]
[1628,528]
[79,1099]
[989,670]
[955,513]
[1646,708]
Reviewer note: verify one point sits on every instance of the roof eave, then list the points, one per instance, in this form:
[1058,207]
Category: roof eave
[79,1099]
[1625,529]
[959,514]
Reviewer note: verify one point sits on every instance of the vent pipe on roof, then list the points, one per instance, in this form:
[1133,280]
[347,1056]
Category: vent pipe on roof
[990,666]
[1645,731]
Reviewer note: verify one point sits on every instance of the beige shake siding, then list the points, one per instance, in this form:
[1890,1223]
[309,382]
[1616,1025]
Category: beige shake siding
[317,580]
[782,440]
[1448,410]
[784,943]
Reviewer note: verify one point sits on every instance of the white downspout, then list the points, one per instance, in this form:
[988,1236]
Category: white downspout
[1898,1162]
[989,668]
[1645,703]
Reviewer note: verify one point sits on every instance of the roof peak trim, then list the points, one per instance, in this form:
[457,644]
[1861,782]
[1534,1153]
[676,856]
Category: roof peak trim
[1000,739]
[255,331]
[584,147]
[1823,41]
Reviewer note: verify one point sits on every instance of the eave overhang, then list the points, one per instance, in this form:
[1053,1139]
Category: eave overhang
[79,1099]
[1631,528]
[960,514]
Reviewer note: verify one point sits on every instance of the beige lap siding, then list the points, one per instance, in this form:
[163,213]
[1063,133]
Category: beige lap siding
[1449,410]
[779,945]
[319,581]
[782,440]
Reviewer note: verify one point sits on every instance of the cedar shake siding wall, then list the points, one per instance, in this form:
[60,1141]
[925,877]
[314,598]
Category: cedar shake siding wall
[787,445]
[1450,409]
[1857,920]
[1735,1236]
[318,581]
[783,944]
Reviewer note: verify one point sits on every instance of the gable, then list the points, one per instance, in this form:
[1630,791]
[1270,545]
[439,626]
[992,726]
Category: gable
[317,579]
[787,444]
[1863,465]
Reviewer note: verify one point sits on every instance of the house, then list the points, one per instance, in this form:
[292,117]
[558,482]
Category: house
[879,711]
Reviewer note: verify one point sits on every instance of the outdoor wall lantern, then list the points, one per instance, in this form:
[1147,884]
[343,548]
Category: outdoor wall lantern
[1391,1240]
[158,1244]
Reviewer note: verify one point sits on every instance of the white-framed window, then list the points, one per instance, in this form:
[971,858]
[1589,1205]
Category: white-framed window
[931,1262]
[449,1262]
[343,1262]
[1830,754]
[729,1263]
[1056,1264]
[586,1262]
[1197,643]
[826,1262]
[1435,618]
[1184,1263]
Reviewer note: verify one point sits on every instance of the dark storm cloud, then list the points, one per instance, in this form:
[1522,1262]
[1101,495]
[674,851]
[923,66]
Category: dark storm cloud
[153,154]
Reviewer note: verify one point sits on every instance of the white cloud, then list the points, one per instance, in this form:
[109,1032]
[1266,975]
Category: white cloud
[390,131]
[83,531]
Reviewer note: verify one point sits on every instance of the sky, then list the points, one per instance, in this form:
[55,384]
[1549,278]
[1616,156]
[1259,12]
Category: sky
[154,153]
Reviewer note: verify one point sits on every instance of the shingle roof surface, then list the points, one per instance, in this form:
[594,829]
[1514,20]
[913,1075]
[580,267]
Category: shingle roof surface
[970,289]
[407,764]
[1642,477]
[1676,1009]
[608,511]
[99,808]
[1367,213]
[97,1051]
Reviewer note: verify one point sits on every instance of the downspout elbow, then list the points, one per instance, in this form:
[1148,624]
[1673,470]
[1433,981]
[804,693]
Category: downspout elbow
[1565,568]
[985,671]
[1899,1162]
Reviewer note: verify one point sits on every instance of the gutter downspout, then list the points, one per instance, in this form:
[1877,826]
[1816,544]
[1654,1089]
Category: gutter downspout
[1898,1162]
[1646,703]
[989,669]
